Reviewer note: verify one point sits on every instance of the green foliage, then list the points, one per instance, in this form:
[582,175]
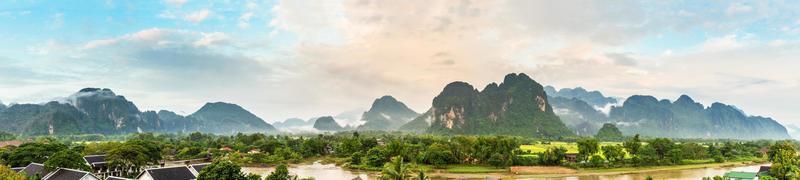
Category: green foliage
[396,170]
[596,161]
[281,173]
[587,147]
[134,154]
[437,155]
[614,153]
[553,156]
[609,132]
[66,158]
[224,170]
[499,161]
[376,157]
[32,153]
[7,174]
[633,144]
[4,136]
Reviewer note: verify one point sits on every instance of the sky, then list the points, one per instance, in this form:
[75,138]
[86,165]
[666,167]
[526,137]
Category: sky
[301,58]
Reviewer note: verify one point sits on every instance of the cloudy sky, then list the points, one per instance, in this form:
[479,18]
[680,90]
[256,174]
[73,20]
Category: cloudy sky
[298,58]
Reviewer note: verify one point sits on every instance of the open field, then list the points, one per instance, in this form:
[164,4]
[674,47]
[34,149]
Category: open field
[572,147]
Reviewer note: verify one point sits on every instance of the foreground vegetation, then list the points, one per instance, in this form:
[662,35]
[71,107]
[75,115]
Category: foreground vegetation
[404,155]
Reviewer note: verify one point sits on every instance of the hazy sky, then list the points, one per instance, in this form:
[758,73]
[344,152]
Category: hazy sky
[298,58]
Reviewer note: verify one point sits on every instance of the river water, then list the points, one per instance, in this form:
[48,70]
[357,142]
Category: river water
[332,172]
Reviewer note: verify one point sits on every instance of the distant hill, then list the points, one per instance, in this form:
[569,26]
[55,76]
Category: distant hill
[386,113]
[578,115]
[518,106]
[291,122]
[686,118]
[101,111]
[594,98]
[220,117]
[327,123]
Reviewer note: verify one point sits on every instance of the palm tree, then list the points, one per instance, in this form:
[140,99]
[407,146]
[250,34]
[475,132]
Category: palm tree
[396,170]
[421,176]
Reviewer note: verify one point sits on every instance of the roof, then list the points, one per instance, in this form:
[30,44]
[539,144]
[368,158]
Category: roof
[17,169]
[116,178]
[198,167]
[737,174]
[33,169]
[763,169]
[91,159]
[10,143]
[170,173]
[66,174]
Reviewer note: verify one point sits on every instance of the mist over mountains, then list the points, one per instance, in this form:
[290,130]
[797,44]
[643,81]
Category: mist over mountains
[518,106]
[101,111]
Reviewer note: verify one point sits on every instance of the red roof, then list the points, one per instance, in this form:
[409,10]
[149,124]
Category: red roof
[10,143]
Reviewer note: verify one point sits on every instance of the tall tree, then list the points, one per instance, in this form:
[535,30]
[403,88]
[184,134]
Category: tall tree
[223,170]
[8,174]
[66,158]
[396,170]
[587,147]
[281,173]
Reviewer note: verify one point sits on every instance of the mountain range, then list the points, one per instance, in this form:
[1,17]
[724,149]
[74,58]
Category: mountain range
[101,111]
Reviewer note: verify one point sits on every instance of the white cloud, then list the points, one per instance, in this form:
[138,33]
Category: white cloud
[738,8]
[178,3]
[197,16]
[210,39]
[727,42]
[244,20]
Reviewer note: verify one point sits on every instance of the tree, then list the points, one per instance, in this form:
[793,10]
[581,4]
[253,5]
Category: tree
[587,147]
[437,155]
[613,153]
[421,176]
[355,158]
[661,145]
[8,174]
[66,158]
[780,147]
[596,160]
[223,170]
[36,152]
[632,145]
[396,170]
[375,157]
[281,173]
[129,156]
[498,160]
[553,156]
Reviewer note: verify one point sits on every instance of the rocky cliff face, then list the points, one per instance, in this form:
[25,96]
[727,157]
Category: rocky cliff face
[220,117]
[518,106]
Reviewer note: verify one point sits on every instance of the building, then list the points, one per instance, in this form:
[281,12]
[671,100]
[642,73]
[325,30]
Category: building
[197,167]
[69,174]
[736,175]
[10,143]
[33,170]
[168,173]
[571,157]
[763,170]
[17,169]
[116,178]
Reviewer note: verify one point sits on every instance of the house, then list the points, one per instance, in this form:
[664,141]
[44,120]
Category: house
[17,169]
[197,167]
[763,170]
[168,173]
[97,162]
[33,170]
[571,157]
[10,143]
[736,175]
[69,174]
[116,178]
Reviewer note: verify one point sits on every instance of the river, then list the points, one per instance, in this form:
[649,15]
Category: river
[332,172]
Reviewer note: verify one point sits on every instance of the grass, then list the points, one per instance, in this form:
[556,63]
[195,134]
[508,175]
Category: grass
[463,168]
[571,146]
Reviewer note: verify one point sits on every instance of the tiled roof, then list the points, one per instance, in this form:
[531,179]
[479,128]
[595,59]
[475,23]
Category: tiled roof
[198,167]
[116,178]
[66,174]
[170,173]
[34,169]
[91,159]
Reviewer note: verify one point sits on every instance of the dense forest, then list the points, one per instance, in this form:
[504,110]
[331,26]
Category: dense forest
[373,151]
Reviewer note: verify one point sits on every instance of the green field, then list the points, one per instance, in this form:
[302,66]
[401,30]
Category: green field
[572,147]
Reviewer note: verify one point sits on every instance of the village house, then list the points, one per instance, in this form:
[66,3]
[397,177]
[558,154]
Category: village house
[69,174]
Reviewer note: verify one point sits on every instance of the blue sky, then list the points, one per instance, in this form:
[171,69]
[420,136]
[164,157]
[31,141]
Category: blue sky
[298,58]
